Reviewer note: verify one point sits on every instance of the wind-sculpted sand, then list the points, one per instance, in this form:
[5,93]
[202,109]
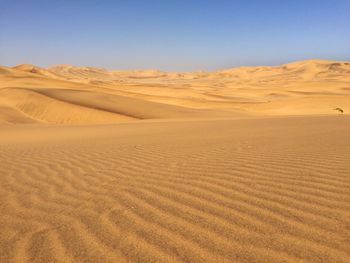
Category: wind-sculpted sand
[257,190]
[87,95]
[148,166]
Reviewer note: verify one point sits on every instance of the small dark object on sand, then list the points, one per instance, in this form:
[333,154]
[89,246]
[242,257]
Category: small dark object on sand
[340,110]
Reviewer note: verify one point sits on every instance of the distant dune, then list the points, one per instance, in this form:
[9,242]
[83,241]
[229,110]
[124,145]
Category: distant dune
[100,96]
[250,164]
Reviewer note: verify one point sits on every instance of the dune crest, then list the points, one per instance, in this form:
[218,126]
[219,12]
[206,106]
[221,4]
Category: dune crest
[297,88]
[101,165]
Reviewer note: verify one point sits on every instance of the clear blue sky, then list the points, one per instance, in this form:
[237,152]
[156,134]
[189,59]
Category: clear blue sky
[172,34]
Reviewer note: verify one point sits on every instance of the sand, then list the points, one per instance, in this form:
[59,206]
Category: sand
[240,165]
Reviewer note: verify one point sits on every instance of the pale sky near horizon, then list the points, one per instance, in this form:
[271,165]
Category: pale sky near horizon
[172,34]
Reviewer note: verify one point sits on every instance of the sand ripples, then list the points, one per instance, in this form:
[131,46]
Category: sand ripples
[173,198]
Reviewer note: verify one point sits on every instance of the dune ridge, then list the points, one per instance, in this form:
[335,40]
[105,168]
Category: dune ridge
[44,109]
[249,164]
[305,87]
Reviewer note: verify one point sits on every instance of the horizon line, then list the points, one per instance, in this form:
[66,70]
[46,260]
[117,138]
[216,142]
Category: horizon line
[176,71]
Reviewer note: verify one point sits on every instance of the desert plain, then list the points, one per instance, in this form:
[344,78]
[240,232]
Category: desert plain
[249,164]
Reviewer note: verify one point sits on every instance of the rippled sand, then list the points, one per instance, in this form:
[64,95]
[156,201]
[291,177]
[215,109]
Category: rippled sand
[131,176]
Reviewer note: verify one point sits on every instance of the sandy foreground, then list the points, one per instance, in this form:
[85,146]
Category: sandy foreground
[146,166]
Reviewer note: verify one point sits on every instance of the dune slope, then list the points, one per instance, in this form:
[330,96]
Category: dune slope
[310,87]
[41,108]
[254,190]
[152,166]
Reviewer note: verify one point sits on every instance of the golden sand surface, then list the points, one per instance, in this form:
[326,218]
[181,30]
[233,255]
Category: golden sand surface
[249,164]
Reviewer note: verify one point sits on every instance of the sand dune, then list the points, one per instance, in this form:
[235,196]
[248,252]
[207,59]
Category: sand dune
[299,88]
[258,190]
[152,166]
[41,108]
[131,107]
